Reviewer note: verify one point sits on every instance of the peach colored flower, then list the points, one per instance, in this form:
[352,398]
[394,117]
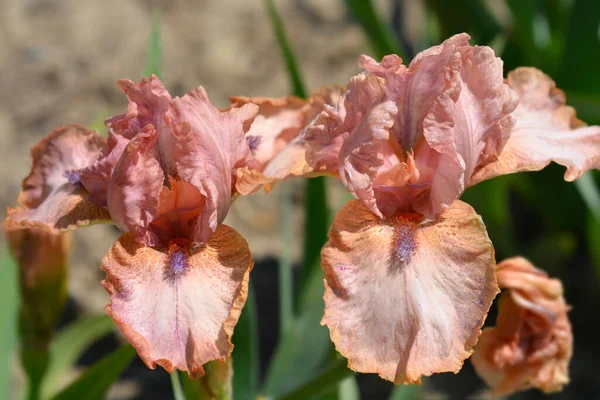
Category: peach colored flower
[179,278]
[532,343]
[276,137]
[53,198]
[409,269]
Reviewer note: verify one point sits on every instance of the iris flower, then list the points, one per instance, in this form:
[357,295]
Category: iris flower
[177,277]
[409,270]
[532,342]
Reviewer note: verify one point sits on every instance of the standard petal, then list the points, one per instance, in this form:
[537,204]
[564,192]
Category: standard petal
[406,299]
[179,314]
[148,103]
[135,186]
[53,197]
[210,145]
[545,130]
[532,342]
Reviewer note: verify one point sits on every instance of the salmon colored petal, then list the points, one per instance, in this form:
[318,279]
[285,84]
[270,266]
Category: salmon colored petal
[210,145]
[135,186]
[354,135]
[96,176]
[532,343]
[468,124]
[178,308]
[289,162]
[53,197]
[545,130]
[148,103]
[278,121]
[405,298]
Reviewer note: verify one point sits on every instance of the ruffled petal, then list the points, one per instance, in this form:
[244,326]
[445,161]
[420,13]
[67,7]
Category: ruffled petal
[405,298]
[278,121]
[351,139]
[96,176]
[148,103]
[53,197]
[545,130]
[179,308]
[210,146]
[532,343]
[135,186]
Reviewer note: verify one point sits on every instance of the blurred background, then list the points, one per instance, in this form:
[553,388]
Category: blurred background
[59,63]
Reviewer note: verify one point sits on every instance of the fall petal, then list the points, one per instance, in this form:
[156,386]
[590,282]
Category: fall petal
[210,145]
[135,185]
[545,130]
[96,176]
[278,121]
[404,299]
[53,197]
[532,342]
[179,316]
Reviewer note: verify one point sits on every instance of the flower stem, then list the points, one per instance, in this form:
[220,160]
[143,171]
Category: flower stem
[337,372]
[176,383]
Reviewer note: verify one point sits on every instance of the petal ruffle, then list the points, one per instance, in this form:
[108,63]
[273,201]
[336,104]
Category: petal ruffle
[179,314]
[52,197]
[210,145]
[135,186]
[532,343]
[406,299]
[148,103]
[545,130]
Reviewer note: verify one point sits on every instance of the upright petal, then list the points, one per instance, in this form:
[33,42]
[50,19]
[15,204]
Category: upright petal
[545,130]
[210,145]
[352,139]
[406,298]
[53,197]
[532,343]
[135,186]
[148,103]
[179,308]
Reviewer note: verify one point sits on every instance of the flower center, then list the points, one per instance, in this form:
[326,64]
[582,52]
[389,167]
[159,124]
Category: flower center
[178,257]
[404,235]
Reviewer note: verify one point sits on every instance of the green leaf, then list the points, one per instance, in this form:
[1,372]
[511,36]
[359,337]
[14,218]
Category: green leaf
[593,241]
[292,363]
[154,48]
[285,275]
[404,392]
[382,39]
[8,321]
[68,346]
[327,379]
[245,356]
[96,380]
[582,53]
[469,16]
[286,50]
[316,224]
[348,389]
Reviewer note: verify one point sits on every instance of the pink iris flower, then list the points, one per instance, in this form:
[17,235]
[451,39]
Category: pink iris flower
[178,277]
[409,270]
